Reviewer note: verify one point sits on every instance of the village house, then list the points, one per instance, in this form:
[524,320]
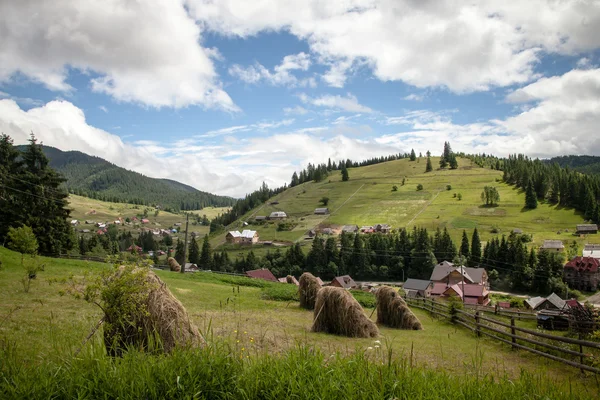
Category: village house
[366,229]
[417,288]
[321,211]
[89,222]
[591,250]
[311,233]
[582,273]
[468,293]
[584,229]
[448,273]
[117,222]
[345,282]
[262,274]
[349,228]
[382,228]
[145,221]
[553,246]
[244,237]
[327,231]
[552,302]
[276,215]
[74,222]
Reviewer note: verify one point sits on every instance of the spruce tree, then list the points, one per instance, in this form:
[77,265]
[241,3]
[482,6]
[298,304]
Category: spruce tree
[475,249]
[10,167]
[413,156]
[345,176]
[453,162]
[428,167]
[205,260]
[315,260]
[194,251]
[464,246]
[180,252]
[530,197]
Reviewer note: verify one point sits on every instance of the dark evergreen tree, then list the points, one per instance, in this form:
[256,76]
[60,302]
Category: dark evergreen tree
[413,155]
[530,197]
[453,162]
[205,260]
[180,252]
[475,258]
[316,259]
[194,251]
[465,249]
[10,167]
[428,166]
[345,176]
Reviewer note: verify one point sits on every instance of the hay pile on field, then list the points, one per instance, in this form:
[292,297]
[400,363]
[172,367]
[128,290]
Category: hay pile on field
[160,322]
[338,312]
[393,311]
[290,279]
[307,289]
[173,264]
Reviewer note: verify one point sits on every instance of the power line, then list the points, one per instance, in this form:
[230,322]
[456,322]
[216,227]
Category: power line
[58,201]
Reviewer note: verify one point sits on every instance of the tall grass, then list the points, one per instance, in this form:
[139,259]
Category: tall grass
[220,371]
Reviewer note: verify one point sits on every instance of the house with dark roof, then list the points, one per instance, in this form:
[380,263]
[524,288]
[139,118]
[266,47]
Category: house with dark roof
[382,228]
[350,228]
[584,229]
[321,211]
[450,274]
[261,274]
[345,282]
[417,288]
[591,250]
[553,246]
[275,215]
[582,273]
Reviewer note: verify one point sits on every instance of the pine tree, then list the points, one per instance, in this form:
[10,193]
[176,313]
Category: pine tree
[530,197]
[10,166]
[475,249]
[315,260]
[180,252]
[453,162]
[413,156]
[428,167]
[43,203]
[194,251]
[443,162]
[464,246]
[205,261]
[345,176]
[295,180]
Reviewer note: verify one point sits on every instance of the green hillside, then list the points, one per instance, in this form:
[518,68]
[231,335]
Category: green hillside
[368,199]
[97,178]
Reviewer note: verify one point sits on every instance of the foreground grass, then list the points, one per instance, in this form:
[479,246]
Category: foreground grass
[219,371]
[42,330]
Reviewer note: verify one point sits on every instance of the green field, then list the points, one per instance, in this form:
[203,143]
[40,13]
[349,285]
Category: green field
[47,327]
[84,208]
[367,199]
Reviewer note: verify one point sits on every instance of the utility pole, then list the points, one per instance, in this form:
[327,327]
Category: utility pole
[187,218]
[462,272]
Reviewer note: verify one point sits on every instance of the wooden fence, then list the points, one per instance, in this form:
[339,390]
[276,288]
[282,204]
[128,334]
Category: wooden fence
[578,353]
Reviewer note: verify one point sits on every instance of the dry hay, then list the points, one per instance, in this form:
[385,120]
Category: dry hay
[338,312]
[289,279]
[161,323]
[307,289]
[173,264]
[393,311]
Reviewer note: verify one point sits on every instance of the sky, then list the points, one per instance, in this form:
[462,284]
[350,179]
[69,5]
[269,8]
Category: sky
[225,94]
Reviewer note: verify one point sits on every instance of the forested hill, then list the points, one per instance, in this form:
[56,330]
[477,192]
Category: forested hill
[97,178]
[584,164]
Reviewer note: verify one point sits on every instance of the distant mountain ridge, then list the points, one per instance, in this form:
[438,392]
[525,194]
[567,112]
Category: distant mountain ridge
[97,178]
[584,164]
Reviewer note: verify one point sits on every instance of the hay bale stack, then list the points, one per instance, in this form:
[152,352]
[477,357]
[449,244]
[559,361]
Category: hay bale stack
[161,323]
[393,311]
[173,264]
[307,289]
[289,279]
[338,312]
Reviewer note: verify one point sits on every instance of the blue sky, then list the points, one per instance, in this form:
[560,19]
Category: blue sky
[225,95]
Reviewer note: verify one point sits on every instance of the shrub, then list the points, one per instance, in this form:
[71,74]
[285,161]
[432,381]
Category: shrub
[419,187]
[448,187]
[394,188]
[459,196]
[324,200]
[495,229]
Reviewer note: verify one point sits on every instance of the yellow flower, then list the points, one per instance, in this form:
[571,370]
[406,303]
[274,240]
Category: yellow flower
[234,331]
[243,349]
[245,333]
[237,341]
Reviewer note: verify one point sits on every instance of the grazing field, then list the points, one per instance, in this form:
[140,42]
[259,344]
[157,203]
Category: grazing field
[84,208]
[44,327]
[368,199]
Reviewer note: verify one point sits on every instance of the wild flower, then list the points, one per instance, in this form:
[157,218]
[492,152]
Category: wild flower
[369,348]
[377,342]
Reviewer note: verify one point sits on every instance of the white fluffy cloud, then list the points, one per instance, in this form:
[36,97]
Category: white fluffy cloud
[282,74]
[232,167]
[462,45]
[336,103]
[142,52]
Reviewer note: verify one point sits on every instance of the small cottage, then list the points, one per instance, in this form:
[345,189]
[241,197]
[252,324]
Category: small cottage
[262,274]
[553,246]
[277,215]
[345,282]
[350,228]
[584,229]
[552,302]
[417,288]
[382,228]
[591,250]
[321,211]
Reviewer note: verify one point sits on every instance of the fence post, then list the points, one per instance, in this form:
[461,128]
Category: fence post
[513,331]
[477,329]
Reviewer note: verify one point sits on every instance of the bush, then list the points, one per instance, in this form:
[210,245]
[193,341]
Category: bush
[448,187]
[324,200]
[495,229]
[419,187]
[286,226]
[280,292]
[394,188]
[459,196]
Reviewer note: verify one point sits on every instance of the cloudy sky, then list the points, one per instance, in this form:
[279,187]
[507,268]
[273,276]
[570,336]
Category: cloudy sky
[225,94]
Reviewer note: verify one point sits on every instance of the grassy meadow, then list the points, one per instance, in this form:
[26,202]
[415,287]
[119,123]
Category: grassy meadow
[263,327]
[367,199]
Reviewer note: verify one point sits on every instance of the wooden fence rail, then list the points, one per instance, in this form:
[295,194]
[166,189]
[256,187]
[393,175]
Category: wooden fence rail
[554,347]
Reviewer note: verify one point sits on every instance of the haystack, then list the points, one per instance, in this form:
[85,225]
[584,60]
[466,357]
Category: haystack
[338,312]
[173,264]
[159,323]
[393,311]
[307,289]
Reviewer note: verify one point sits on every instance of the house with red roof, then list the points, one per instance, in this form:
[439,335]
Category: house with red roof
[345,282]
[582,273]
[468,293]
[261,274]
